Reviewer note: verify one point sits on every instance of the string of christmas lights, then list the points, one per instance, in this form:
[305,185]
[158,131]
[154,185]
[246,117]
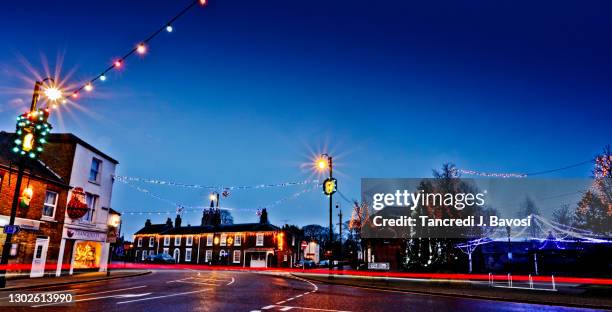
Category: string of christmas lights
[126,179]
[141,48]
[180,208]
[520,175]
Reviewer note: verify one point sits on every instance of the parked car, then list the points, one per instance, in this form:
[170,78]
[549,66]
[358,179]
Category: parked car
[160,258]
[305,264]
[324,263]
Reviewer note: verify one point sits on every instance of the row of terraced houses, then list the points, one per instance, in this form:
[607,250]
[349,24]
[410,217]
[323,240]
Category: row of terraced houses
[256,245]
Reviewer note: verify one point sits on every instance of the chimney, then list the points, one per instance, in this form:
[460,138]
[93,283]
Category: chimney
[148,222]
[169,222]
[177,221]
[263,218]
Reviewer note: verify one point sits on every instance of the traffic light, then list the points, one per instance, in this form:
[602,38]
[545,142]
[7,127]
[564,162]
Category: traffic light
[329,186]
[32,129]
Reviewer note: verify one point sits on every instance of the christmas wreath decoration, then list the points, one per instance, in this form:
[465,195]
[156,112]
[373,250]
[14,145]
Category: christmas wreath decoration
[77,207]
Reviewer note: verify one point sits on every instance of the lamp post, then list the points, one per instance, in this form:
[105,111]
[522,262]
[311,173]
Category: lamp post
[113,223]
[32,127]
[329,188]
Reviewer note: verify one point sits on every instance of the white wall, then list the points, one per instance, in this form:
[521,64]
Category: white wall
[104,189]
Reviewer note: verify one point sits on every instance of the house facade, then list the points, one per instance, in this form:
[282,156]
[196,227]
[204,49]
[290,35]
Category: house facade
[40,214]
[89,173]
[255,245]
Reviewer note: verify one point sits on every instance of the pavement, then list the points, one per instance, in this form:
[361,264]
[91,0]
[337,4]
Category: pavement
[209,290]
[28,283]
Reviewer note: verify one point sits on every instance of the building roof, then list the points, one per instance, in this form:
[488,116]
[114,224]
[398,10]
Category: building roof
[71,138]
[241,227]
[154,229]
[8,160]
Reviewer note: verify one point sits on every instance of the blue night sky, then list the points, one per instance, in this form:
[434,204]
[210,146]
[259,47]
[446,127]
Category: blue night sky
[247,92]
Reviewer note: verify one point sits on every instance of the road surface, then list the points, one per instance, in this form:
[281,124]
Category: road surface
[189,290]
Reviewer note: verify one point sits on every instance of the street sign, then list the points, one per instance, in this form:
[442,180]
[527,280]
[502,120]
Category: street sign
[378,266]
[11,229]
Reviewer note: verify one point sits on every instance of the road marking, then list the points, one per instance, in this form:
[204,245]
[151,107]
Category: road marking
[287,308]
[108,291]
[233,280]
[90,299]
[280,302]
[198,283]
[290,299]
[298,295]
[165,296]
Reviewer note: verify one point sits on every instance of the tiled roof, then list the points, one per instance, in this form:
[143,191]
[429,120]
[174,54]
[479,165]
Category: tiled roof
[241,227]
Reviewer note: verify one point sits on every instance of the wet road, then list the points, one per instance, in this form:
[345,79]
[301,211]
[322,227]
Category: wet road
[189,290]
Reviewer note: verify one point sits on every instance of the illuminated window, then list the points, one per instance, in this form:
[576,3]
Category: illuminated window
[87,255]
[238,240]
[189,241]
[94,171]
[236,256]
[260,239]
[223,239]
[140,242]
[177,241]
[166,240]
[209,240]
[208,256]
[188,254]
[50,204]
[151,241]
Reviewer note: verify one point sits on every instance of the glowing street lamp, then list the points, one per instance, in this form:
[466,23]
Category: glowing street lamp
[329,188]
[31,131]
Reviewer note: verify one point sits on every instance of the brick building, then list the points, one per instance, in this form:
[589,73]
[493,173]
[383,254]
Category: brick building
[256,245]
[37,245]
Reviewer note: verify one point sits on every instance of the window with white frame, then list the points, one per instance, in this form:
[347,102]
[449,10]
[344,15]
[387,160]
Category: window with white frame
[208,255]
[166,251]
[140,242]
[177,255]
[177,241]
[137,254]
[166,240]
[151,241]
[222,254]
[259,239]
[238,240]
[236,256]
[94,171]
[144,254]
[189,241]
[209,240]
[223,239]
[91,201]
[50,204]
[188,254]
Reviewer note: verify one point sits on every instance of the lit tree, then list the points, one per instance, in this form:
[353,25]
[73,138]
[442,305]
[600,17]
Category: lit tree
[563,215]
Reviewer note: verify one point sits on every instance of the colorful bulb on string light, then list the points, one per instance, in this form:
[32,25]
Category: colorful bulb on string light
[118,63]
[169,28]
[141,49]
[102,77]
[75,95]
[88,87]
[203,2]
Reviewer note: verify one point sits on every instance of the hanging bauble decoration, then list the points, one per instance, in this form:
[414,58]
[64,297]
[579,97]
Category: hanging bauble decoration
[77,207]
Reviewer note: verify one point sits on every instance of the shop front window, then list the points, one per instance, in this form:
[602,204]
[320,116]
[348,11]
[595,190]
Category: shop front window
[87,255]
